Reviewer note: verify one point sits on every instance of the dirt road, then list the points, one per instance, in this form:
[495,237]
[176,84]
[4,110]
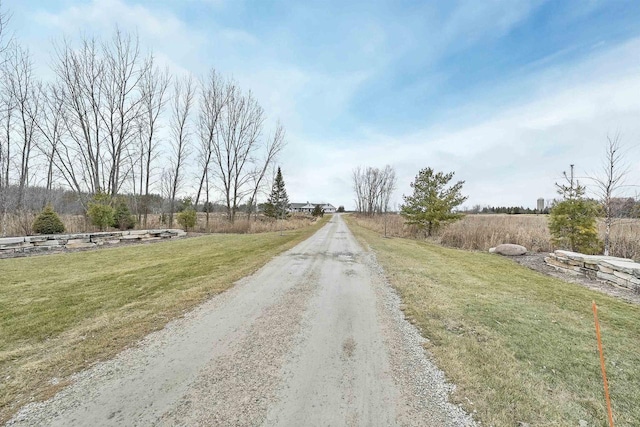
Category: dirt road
[313,338]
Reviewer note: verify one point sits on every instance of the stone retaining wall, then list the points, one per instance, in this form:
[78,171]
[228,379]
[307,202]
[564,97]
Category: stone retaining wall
[29,244]
[619,271]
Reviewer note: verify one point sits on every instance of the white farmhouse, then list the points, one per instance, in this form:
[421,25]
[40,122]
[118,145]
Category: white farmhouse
[308,207]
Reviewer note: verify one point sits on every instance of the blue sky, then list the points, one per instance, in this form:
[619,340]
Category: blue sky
[505,93]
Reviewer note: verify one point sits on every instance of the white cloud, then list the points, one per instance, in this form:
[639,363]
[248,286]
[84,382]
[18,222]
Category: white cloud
[514,157]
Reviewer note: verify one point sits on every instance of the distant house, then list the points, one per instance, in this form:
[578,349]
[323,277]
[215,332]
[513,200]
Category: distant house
[308,207]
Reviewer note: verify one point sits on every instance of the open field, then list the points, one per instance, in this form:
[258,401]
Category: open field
[519,346]
[63,312]
[481,232]
[20,225]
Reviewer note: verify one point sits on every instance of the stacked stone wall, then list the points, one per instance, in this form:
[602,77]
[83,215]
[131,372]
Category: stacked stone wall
[12,246]
[618,271]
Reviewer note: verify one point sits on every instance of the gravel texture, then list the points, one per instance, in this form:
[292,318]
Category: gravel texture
[316,337]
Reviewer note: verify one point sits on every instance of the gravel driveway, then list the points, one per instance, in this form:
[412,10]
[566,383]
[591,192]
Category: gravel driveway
[316,337]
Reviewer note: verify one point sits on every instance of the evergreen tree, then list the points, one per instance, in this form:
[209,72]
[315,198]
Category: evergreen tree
[572,222]
[317,211]
[100,211]
[48,222]
[277,205]
[122,218]
[187,217]
[432,202]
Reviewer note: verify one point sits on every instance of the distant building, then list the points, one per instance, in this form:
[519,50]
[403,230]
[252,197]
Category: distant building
[308,207]
[540,204]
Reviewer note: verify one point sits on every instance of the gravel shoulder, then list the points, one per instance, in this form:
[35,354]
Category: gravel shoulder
[315,337]
[535,261]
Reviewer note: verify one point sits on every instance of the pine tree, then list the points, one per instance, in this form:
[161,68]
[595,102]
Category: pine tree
[48,222]
[278,202]
[572,222]
[122,218]
[317,211]
[432,202]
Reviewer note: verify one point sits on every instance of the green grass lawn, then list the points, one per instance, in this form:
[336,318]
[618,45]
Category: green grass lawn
[60,313]
[520,346]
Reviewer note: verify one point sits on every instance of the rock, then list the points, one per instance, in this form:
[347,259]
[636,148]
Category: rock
[77,241]
[50,242]
[509,249]
[32,239]
[11,240]
[79,245]
[131,237]
[629,267]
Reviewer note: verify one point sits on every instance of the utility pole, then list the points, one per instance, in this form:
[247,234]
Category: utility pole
[572,177]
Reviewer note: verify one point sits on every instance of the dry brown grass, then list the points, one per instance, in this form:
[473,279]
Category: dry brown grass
[219,224]
[20,224]
[481,232]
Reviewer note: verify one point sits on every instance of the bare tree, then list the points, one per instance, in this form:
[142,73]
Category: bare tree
[102,102]
[6,152]
[213,100]
[373,188]
[184,92]
[236,141]
[609,182]
[273,147]
[80,72]
[6,109]
[51,128]
[153,88]
[123,71]
[22,89]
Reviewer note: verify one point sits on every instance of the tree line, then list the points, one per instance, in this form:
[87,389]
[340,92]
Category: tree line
[112,121]
[572,218]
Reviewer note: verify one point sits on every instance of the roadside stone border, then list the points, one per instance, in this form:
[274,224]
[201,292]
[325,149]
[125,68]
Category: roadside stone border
[40,243]
[618,271]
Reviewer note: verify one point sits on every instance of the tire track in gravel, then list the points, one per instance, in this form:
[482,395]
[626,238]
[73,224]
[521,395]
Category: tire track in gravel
[237,389]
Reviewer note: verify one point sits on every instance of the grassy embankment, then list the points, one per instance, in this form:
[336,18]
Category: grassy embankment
[520,346]
[60,313]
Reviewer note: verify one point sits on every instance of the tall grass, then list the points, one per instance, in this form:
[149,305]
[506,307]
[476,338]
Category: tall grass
[20,224]
[481,232]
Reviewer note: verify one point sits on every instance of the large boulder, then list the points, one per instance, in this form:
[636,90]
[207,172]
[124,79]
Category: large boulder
[509,249]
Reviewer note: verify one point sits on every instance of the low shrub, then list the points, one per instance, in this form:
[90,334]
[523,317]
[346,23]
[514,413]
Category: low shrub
[122,217]
[48,222]
[187,218]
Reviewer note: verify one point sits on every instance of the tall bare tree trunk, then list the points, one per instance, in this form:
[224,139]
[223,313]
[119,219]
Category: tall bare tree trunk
[614,172]
[181,134]
[153,88]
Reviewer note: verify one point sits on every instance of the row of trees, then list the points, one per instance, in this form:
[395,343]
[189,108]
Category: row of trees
[509,210]
[113,121]
[432,204]
[373,188]
[572,221]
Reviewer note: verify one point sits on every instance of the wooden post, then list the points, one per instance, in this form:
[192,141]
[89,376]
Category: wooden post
[604,372]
